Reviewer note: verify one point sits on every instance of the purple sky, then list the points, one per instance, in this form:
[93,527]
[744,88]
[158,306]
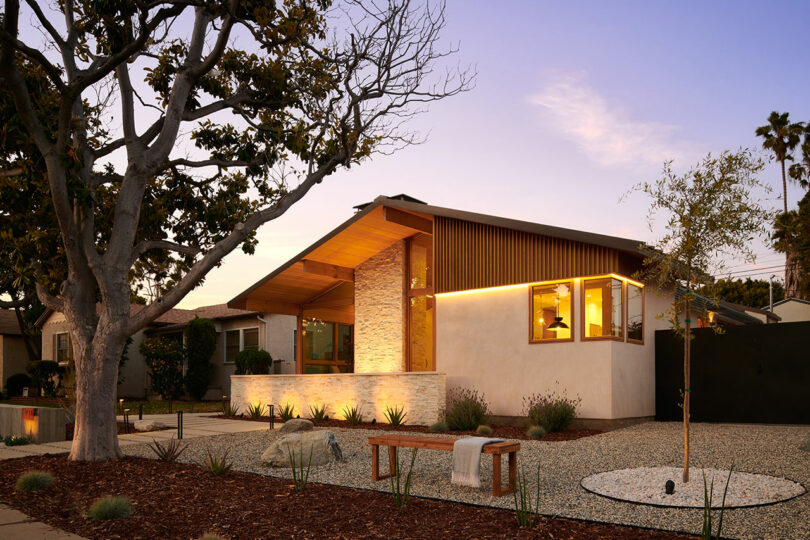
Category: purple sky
[575,103]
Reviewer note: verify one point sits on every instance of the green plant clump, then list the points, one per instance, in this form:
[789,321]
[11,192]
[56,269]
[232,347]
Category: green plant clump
[110,508]
[706,533]
[286,411]
[255,411]
[229,410]
[216,463]
[536,432]
[318,412]
[299,473]
[525,514]
[16,440]
[164,358]
[552,411]
[400,491]
[253,362]
[201,342]
[466,409]
[353,415]
[168,452]
[484,430]
[395,415]
[439,427]
[34,481]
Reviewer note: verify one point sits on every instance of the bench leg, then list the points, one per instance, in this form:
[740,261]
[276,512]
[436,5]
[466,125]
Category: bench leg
[496,475]
[375,462]
[512,471]
[392,461]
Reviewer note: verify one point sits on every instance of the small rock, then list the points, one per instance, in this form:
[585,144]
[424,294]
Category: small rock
[323,445]
[296,425]
[805,445]
[148,425]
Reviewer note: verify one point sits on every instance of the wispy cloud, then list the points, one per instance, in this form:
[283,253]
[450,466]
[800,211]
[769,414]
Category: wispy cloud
[602,130]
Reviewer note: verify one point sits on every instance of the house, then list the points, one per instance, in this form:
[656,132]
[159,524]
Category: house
[405,300]
[236,330]
[792,309]
[13,354]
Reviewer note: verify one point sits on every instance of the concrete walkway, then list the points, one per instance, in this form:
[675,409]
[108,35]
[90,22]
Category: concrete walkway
[14,525]
[194,425]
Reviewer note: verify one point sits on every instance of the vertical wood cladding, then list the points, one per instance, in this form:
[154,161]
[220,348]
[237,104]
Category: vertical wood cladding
[471,255]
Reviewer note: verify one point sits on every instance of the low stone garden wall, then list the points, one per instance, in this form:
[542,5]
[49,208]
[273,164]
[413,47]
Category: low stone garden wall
[42,424]
[421,394]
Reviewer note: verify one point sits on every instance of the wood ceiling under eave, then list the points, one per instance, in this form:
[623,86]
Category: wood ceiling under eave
[303,283]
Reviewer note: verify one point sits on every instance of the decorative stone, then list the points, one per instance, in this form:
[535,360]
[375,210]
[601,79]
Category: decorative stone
[148,425]
[295,425]
[669,487]
[323,445]
[805,445]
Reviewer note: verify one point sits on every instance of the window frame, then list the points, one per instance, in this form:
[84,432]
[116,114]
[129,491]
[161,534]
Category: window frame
[241,341]
[627,285]
[56,349]
[622,315]
[572,326]
[334,362]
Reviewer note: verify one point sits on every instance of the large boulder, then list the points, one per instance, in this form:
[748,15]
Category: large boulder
[295,425]
[148,425]
[805,445]
[323,445]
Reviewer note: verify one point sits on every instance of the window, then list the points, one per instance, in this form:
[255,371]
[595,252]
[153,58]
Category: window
[602,309]
[635,313]
[62,348]
[328,347]
[420,303]
[240,340]
[551,312]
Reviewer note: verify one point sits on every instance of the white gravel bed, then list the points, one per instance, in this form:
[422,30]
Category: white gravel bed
[646,485]
[770,450]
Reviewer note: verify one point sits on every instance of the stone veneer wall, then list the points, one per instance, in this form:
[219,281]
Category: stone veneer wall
[422,394]
[379,312]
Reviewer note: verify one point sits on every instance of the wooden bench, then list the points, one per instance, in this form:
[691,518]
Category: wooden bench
[442,443]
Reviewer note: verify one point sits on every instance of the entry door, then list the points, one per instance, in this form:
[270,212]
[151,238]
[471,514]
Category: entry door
[420,303]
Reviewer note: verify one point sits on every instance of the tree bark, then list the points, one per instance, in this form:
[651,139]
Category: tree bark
[95,435]
[792,273]
[784,186]
[687,390]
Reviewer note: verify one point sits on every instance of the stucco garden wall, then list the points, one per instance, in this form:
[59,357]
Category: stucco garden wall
[483,343]
[421,394]
[379,312]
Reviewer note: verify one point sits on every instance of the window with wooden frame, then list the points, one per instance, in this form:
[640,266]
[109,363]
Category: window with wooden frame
[239,340]
[551,311]
[635,313]
[328,347]
[602,313]
[62,349]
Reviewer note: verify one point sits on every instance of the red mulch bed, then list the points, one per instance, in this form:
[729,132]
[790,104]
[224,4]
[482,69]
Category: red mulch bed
[503,432]
[173,500]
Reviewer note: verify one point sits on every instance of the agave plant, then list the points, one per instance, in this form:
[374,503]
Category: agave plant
[216,463]
[168,452]
[707,507]
[255,411]
[286,411]
[318,412]
[395,415]
[353,415]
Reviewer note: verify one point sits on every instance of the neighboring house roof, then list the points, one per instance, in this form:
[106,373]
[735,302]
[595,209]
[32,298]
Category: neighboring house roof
[786,300]
[726,311]
[8,323]
[180,317]
[765,312]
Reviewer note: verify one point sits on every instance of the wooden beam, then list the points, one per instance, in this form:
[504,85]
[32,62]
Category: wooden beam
[329,270]
[324,292]
[333,303]
[272,306]
[406,219]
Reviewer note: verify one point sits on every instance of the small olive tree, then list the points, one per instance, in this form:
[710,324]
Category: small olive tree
[712,214]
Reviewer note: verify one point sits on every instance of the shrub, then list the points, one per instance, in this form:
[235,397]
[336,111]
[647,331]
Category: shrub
[395,415]
[484,430]
[110,508]
[255,411]
[553,411]
[438,427]
[466,409]
[34,481]
[286,411]
[45,375]
[164,358]
[253,362]
[217,464]
[318,413]
[17,440]
[201,342]
[16,383]
[352,415]
[536,432]
[168,452]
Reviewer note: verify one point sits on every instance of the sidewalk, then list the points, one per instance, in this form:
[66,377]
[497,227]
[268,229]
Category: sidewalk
[194,425]
[14,525]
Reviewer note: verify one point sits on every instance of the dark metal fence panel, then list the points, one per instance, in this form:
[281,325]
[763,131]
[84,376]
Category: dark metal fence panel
[757,374]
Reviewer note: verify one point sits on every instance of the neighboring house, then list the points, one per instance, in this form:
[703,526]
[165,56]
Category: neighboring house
[13,355]
[405,299]
[792,309]
[720,312]
[236,330]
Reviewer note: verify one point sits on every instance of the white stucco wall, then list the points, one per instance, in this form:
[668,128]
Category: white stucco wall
[793,311]
[483,343]
[379,312]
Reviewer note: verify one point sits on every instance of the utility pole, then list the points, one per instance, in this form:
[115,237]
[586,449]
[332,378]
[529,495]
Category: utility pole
[770,293]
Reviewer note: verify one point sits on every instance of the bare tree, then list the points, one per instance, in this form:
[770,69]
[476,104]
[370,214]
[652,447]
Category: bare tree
[322,88]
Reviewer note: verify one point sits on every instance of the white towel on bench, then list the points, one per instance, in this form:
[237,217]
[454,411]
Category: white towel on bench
[467,460]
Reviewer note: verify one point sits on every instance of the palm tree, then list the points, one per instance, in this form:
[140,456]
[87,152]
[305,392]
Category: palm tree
[781,137]
[801,171]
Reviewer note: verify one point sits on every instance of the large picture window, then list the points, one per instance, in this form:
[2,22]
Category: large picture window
[635,313]
[240,340]
[602,309]
[551,312]
[328,347]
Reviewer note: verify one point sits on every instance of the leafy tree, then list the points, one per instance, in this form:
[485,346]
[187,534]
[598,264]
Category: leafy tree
[164,358]
[800,171]
[710,215]
[748,292]
[781,137]
[154,145]
[201,342]
[792,236]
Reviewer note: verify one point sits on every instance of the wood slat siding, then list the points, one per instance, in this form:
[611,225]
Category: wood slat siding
[470,255]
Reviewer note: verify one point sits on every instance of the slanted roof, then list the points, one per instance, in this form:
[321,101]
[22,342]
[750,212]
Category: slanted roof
[177,316]
[726,311]
[8,323]
[786,300]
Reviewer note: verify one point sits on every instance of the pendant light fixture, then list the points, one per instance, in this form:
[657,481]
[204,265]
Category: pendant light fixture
[558,324]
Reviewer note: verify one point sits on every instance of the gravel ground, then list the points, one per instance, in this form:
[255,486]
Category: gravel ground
[760,449]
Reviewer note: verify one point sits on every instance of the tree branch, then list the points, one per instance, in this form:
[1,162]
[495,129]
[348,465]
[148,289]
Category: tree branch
[146,245]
